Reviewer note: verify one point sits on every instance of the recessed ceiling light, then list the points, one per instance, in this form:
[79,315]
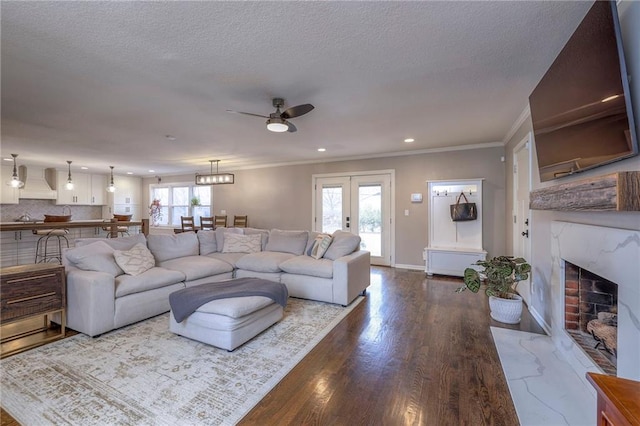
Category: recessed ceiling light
[129,173]
[170,137]
[322,149]
[152,171]
[84,168]
[409,140]
[8,159]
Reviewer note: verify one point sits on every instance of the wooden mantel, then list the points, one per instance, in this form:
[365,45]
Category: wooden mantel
[618,191]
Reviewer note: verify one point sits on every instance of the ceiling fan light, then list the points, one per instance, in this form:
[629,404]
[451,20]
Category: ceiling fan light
[277,125]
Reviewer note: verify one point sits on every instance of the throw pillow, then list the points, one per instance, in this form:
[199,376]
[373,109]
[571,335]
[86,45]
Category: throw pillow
[321,245]
[343,243]
[237,243]
[221,232]
[136,260]
[97,256]
[293,242]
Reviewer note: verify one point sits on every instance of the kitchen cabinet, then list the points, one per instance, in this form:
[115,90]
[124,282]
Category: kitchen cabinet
[127,198]
[8,195]
[128,190]
[98,196]
[81,188]
[453,246]
[87,189]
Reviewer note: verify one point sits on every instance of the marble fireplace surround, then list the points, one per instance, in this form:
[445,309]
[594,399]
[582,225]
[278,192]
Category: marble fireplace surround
[613,254]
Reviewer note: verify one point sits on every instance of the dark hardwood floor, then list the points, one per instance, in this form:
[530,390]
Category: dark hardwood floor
[412,353]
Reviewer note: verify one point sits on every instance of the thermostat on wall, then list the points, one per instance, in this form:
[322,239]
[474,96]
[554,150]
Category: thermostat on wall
[416,198]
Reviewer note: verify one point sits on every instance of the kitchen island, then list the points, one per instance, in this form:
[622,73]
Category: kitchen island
[18,241]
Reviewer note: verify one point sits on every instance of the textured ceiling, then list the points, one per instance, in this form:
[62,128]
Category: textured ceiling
[103,83]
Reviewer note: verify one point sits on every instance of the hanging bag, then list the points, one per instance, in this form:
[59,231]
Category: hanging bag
[463,211]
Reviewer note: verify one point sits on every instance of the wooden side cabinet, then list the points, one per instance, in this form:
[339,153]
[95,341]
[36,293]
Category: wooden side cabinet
[29,295]
[618,400]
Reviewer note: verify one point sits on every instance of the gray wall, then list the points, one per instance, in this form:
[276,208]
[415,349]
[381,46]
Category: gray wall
[540,229]
[281,197]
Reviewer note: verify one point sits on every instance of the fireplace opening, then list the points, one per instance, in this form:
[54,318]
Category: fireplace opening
[591,315]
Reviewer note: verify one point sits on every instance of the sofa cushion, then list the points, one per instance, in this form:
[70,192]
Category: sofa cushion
[343,243]
[153,278]
[97,256]
[293,242]
[124,243]
[237,243]
[136,260]
[207,242]
[306,265]
[235,307]
[166,247]
[320,245]
[220,235]
[229,258]
[264,233]
[265,261]
[196,267]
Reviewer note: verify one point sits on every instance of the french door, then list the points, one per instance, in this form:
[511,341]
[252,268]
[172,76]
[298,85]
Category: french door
[360,204]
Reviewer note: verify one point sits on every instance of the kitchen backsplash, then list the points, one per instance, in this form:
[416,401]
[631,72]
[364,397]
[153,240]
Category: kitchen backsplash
[38,208]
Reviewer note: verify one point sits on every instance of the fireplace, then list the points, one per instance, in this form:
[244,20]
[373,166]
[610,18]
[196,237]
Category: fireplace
[590,314]
[612,255]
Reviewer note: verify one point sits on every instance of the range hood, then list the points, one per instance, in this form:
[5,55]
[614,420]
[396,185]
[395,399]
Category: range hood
[35,184]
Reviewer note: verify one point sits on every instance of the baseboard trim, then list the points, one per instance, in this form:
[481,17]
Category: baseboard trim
[541,322]
[412,267]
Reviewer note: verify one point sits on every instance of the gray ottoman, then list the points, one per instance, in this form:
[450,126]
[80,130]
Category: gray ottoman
[228,323]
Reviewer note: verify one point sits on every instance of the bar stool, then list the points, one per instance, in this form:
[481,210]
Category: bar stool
[43,253]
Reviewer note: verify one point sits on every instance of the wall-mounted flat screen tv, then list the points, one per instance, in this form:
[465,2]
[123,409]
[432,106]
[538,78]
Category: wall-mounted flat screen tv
[581,109]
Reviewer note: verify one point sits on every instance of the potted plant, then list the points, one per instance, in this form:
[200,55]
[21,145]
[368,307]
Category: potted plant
[501,275]
[195,201]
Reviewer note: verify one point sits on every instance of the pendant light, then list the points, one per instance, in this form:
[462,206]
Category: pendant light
[111,187]
[214,178]
[15,181]
[69,185]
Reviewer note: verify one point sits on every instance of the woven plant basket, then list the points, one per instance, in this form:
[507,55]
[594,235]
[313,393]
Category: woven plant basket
[508,311]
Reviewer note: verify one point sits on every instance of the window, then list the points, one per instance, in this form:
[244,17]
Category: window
[181,199]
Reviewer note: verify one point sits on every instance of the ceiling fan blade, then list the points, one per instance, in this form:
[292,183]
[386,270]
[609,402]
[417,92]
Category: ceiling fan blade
[247,113]
[296,111]
[292,128]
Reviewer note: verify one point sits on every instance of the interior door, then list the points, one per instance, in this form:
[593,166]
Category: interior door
[360,204]
[521,212]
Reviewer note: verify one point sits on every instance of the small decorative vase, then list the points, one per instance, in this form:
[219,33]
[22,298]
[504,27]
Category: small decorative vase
[508,311]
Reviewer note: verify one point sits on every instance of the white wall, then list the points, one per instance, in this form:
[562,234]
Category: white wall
[280,197]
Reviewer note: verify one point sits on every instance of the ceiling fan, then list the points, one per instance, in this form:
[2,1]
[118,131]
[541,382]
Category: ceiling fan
[279,121]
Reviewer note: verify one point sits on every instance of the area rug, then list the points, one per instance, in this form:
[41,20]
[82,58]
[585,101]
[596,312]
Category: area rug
[145,375]
[544,388]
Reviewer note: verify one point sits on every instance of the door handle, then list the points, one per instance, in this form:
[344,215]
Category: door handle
[525,233]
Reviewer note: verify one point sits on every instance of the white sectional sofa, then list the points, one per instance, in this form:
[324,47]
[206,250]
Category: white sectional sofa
[102,297]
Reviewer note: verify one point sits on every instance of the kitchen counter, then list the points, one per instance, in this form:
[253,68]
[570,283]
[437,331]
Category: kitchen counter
[28,226]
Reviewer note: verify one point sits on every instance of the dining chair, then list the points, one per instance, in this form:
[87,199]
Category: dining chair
[187,223]
[220,221]
[240,221]
[206,223]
